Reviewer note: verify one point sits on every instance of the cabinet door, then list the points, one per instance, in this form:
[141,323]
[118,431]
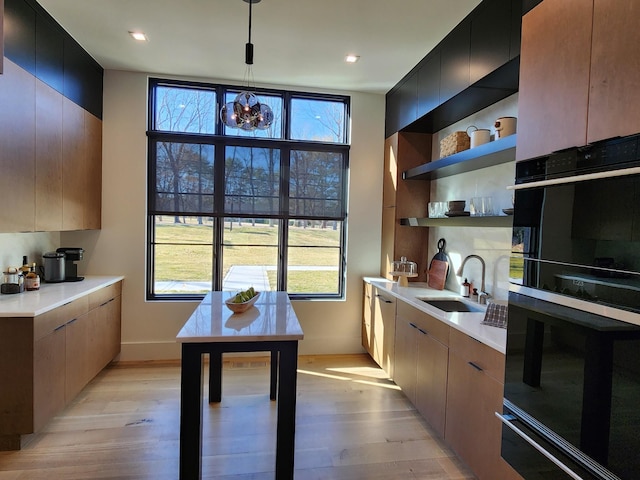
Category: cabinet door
[615,65]
[402,105]
[454,65]
[93,158]
[48,158]
[429,83]
[384,330]
[554,80]
[367,317]
[474,394]
[431,380]
[404,372]
[77,356]
[73,169]
[104,335]
[48,376]
[17,149]
[490,38]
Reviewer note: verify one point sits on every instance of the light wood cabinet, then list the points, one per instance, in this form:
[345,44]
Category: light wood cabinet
[50,158]
[554,82]
[474,393]
[367,316]
[585,91]
[614,92]
[384,328]
[48,177]
[402,199]
[45,361]
[74,166]
[93,160]
[17,149]
[421,362]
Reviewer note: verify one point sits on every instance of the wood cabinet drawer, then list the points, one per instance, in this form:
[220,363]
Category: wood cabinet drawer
[425,322]
[104,295]
[49,321]
[480,355]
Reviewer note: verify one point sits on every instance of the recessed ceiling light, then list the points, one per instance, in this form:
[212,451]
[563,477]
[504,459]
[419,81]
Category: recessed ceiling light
[140,36]
[352,58]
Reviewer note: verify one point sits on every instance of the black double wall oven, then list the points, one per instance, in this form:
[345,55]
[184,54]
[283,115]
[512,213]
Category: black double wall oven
[572,381]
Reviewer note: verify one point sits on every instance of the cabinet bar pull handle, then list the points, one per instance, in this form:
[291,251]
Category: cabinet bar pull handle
[477,367]
[71,321]
[423,332]
[504,419]
[383,299]
[413,325]
[59,327]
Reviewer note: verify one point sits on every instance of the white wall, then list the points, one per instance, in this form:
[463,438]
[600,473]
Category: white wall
[13,246]
[492,244]
[149,328]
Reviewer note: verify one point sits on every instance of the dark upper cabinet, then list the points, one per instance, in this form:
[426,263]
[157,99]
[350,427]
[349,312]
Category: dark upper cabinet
[50,53]
[491,26]
[474,66]
[38,44]
[401,106]
[20,34]
[454,63]
[517,10]
[80,73]
[429,82]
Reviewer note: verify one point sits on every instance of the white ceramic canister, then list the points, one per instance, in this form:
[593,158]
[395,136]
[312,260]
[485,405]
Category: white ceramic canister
[505,126]
[478,136]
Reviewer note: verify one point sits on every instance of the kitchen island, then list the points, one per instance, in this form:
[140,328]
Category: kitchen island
[270,325]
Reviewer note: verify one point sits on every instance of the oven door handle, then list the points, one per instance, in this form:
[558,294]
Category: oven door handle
[577,178]
[506,420]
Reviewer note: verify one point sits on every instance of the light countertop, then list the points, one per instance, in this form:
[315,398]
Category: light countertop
[469,323]
[271,318]
[51,295]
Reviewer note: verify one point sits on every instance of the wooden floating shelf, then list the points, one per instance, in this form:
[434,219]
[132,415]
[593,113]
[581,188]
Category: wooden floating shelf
[486,155]
[497,221]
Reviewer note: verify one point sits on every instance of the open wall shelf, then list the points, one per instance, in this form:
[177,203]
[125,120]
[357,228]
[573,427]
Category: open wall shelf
[496,221]
[492,153]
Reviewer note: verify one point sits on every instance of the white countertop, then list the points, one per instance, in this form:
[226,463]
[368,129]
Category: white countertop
[271,318]
[466,322]
[51,295]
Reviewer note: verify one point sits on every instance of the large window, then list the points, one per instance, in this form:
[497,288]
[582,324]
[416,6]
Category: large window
[229,209]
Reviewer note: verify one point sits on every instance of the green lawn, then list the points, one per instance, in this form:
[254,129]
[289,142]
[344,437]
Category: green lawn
[194,262]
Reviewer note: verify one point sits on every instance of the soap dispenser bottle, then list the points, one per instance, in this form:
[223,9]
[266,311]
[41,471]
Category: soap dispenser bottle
[465,288]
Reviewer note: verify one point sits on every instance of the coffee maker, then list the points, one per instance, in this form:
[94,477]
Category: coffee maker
[71,255]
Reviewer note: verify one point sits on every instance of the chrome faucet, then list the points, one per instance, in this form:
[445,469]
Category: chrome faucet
[482,296]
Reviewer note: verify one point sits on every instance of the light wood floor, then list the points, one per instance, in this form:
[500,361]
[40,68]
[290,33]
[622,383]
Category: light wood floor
[352,423]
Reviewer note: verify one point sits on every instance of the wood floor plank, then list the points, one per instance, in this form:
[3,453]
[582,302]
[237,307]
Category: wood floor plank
[352,423]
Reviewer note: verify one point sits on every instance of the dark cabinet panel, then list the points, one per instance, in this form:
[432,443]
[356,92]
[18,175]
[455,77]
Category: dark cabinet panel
[34,41]
[402,105]
[429,83]
[49,52]
[490,38]
[20,34]
[454,65]
[516,27]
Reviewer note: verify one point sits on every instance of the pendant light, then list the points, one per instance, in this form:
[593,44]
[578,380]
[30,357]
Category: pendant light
[246,111]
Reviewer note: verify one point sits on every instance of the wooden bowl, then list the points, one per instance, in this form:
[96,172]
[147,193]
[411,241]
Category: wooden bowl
[241,307]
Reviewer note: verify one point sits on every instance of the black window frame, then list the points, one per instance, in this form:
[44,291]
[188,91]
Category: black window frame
[220,142]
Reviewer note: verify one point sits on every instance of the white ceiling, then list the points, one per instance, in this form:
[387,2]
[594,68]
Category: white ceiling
[298,43]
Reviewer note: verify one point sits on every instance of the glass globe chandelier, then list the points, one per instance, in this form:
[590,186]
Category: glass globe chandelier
[246,111]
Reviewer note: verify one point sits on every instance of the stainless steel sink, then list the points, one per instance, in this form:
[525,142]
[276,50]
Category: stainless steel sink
[452,305]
